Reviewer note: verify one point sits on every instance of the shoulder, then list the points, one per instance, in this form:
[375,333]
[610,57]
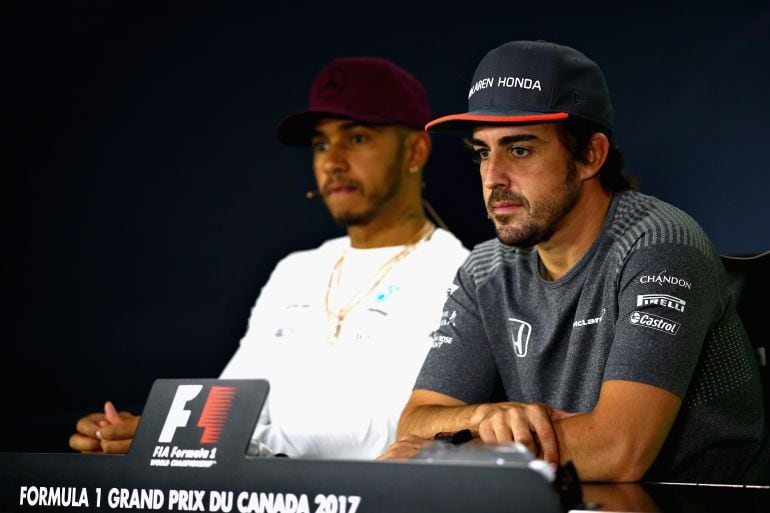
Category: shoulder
[438,258]
[328,250]
[489,256]
[643,221]
[447,244]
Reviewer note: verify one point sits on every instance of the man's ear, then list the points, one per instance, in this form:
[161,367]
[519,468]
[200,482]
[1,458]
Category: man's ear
[418,146]
[598,149]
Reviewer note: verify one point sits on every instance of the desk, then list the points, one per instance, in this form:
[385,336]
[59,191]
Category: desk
[334,487]
[674,498]
[175,464]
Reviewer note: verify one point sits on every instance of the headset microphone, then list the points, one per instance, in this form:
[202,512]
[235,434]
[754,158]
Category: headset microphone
[312,194]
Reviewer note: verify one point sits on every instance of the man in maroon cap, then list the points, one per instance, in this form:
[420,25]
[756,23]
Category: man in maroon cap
[340,331]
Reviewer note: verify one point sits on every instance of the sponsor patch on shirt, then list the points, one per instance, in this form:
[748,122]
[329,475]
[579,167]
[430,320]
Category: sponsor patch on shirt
[439,340]
[589,321]
[661,300]
[662,278]
[655,322]
[520,332]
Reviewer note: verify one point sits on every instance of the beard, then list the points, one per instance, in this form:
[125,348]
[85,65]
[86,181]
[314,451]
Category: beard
[379,196]
[542,217]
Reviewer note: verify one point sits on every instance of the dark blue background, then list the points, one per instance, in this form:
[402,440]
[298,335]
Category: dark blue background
[145,198]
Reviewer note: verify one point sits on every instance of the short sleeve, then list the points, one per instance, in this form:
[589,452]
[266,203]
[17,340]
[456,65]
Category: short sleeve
[668,299]
[460,363]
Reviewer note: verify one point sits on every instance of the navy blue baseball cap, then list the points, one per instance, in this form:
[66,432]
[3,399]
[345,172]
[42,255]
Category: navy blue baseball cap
[532,81]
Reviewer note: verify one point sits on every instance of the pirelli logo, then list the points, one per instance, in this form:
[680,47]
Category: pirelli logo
[662,300]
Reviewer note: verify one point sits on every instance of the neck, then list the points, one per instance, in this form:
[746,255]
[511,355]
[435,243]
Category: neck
[388,230]
[575,234]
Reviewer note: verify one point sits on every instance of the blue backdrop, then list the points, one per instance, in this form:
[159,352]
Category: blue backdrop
[145,198]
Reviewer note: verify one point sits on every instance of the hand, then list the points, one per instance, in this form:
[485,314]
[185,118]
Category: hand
[403,448]
[109,432]
[527,423]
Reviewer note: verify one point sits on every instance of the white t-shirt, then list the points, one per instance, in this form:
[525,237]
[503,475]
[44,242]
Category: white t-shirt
[342,398]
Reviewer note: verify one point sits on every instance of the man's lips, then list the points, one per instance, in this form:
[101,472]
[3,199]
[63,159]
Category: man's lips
[340,188]
[502,208]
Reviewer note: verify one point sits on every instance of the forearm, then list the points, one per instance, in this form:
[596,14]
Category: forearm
[427,420]
[598,453]
[611,446]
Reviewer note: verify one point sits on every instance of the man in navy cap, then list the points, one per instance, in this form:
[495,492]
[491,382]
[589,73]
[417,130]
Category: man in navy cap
[340,331]
[602,312]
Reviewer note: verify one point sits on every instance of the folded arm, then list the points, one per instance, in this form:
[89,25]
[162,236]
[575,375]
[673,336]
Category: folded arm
[617,441]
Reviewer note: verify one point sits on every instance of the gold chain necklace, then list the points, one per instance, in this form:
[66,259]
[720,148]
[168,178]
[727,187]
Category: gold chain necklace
[336,319]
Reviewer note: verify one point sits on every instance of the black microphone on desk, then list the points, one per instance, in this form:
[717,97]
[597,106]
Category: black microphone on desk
[312,194]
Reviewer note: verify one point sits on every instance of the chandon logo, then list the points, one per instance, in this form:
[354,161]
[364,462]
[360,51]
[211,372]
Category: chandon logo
[663,279]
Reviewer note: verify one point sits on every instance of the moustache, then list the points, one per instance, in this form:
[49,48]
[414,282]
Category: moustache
[499,195]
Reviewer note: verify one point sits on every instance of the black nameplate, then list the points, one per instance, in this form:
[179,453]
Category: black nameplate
[197,423]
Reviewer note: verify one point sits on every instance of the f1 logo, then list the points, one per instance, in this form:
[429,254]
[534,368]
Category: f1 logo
[213,415]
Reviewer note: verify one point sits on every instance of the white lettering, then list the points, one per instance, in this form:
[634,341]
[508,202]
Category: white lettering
[177,416]
[440,340]
[655,322]
[176,452]
[55,496]
[123,498]
[272,503]
[661,300]
[661,280]
[186,500]
[220,501]
[481,84]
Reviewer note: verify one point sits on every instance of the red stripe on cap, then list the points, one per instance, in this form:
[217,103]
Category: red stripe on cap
[497,119]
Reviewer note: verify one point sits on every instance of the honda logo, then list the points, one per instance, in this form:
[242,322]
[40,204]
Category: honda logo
[520,331]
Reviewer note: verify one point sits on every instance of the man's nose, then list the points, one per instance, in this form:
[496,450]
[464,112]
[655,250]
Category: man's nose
[334,159]
[494,173]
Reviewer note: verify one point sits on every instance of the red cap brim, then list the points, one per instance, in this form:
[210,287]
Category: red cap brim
[462,121]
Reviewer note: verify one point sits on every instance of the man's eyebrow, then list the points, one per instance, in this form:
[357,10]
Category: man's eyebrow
[349,125]
[503,141]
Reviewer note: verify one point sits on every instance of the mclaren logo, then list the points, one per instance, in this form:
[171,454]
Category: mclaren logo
[520,332]
[587,322]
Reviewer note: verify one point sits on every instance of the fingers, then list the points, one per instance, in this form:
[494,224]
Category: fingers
[89,425]
[404,448]
[111,413]
[115,446]
[124,430]
[83,443]
[528,424]
[546,437]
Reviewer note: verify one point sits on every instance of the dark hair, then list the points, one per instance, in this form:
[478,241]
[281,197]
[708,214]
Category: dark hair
[575,133]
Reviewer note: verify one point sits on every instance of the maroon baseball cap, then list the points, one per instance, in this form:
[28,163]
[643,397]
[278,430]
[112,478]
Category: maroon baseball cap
[367,89]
